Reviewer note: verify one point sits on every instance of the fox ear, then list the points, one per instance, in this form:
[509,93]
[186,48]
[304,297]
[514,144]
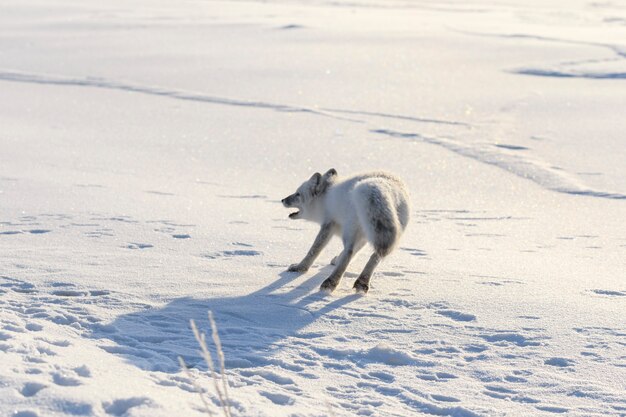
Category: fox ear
[326,180]
[316,179]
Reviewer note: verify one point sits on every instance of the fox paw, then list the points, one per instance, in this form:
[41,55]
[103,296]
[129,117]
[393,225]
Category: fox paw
[297,268]
[360,286]
[328,285]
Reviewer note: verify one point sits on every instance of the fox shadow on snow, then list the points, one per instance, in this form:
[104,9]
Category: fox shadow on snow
[251,327]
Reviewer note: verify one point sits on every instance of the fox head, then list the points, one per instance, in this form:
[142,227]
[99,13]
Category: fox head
[308,194]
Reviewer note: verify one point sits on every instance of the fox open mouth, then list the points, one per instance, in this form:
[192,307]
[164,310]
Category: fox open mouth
[294,215]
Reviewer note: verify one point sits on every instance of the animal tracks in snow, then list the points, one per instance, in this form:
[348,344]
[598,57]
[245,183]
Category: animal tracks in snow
[284,337]
[32,231]
[103,228]
[425,376]
[63,309]
[240,249]
[133,245]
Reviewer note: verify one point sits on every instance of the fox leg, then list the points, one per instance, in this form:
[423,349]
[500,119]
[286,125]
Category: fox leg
[322,239]
[357,248]
[362,283]
[351,247]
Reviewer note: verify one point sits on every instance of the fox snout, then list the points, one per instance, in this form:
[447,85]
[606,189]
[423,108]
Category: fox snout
[290,201]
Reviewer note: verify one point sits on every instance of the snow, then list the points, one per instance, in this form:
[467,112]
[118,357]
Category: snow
[144,150]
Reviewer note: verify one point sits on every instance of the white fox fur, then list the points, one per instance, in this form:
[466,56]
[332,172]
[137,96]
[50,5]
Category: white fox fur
[371,207]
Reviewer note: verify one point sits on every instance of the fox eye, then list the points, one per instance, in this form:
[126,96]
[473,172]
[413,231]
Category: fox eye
[297,194]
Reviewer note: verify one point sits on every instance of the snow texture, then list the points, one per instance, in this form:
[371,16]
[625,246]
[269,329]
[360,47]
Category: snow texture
[144,151]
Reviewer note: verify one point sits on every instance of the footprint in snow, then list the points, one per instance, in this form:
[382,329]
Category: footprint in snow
[511,147]
[444,376]
[57,343]
[515,379]
[17,285]
[159,193]
[65,380]
[414,252]
[444,398]
[475,348]
[182,383]
[559,362]
[507,338]
[383,376]
[76,293]
[457,315]
[291,27]
[499,392]
[62,284]
[25,414]
[99,233]
[241,253]
[550,409]
[32,232]
[499,283]
[181,236]
[31,388]
[437,376]
[231,253]
[133,245]
[270,376]
[69,293]
[610,293]
[121,406]
[121,219]
[34,327]
[392,274]
[278,399]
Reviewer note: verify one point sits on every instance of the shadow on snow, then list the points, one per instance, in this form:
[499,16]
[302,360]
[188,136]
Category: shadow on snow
[251,327]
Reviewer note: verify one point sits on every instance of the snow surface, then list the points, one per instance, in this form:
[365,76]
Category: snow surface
[144,149]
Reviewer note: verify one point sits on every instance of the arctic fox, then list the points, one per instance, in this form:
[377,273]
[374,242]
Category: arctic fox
[371,207]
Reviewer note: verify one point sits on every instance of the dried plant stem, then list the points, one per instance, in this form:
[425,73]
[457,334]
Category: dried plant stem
[220,355]
[195,384]
[200,338]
